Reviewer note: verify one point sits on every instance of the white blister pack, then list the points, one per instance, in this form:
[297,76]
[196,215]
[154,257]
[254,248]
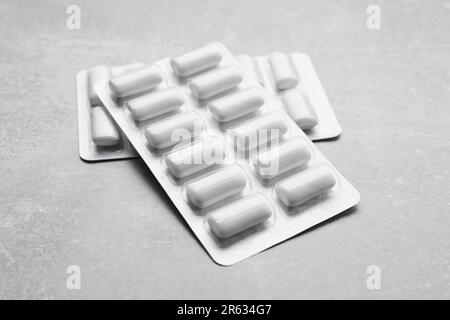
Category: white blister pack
[98,136]
[293,80]
[242,174]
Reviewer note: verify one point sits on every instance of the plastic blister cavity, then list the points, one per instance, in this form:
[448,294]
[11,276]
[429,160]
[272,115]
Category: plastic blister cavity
[194,158]
[304,186]
[231,160]
[271,164]
[217,186]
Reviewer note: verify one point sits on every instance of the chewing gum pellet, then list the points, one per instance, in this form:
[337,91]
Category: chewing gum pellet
[236,105]
[155,104]
[98,73]
[194,158]
[239,215]
[216,187]
[304,186]
[280,159]
[195,61]
[299,109]
[256,132]
[171,131]
[215,81]
[104,132]
[283,71]
[135,82]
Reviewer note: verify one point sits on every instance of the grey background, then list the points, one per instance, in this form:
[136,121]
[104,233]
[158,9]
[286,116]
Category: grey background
[390,89]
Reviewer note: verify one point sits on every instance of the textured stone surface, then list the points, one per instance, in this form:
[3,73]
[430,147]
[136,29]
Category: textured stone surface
[390,89]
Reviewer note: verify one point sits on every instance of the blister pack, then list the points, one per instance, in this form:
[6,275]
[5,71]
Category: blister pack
[292,79]
[242,174]
[98,136]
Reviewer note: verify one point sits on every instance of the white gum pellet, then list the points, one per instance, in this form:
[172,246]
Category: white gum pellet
[304,186]
[280,159]
[103,131]
[299,109]
[194,158]
[236,105]
[239,215]
[168,132]
[155,104]
[259,131]
[283,70]
[136,81]
[98,73]
[215,81]
[251,66]
[196,61]
[216,186]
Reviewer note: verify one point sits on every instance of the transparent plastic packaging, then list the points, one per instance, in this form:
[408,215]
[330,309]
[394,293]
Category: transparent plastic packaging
[236,177]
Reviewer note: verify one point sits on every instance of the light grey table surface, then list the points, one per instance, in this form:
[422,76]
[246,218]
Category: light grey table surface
[390,89]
